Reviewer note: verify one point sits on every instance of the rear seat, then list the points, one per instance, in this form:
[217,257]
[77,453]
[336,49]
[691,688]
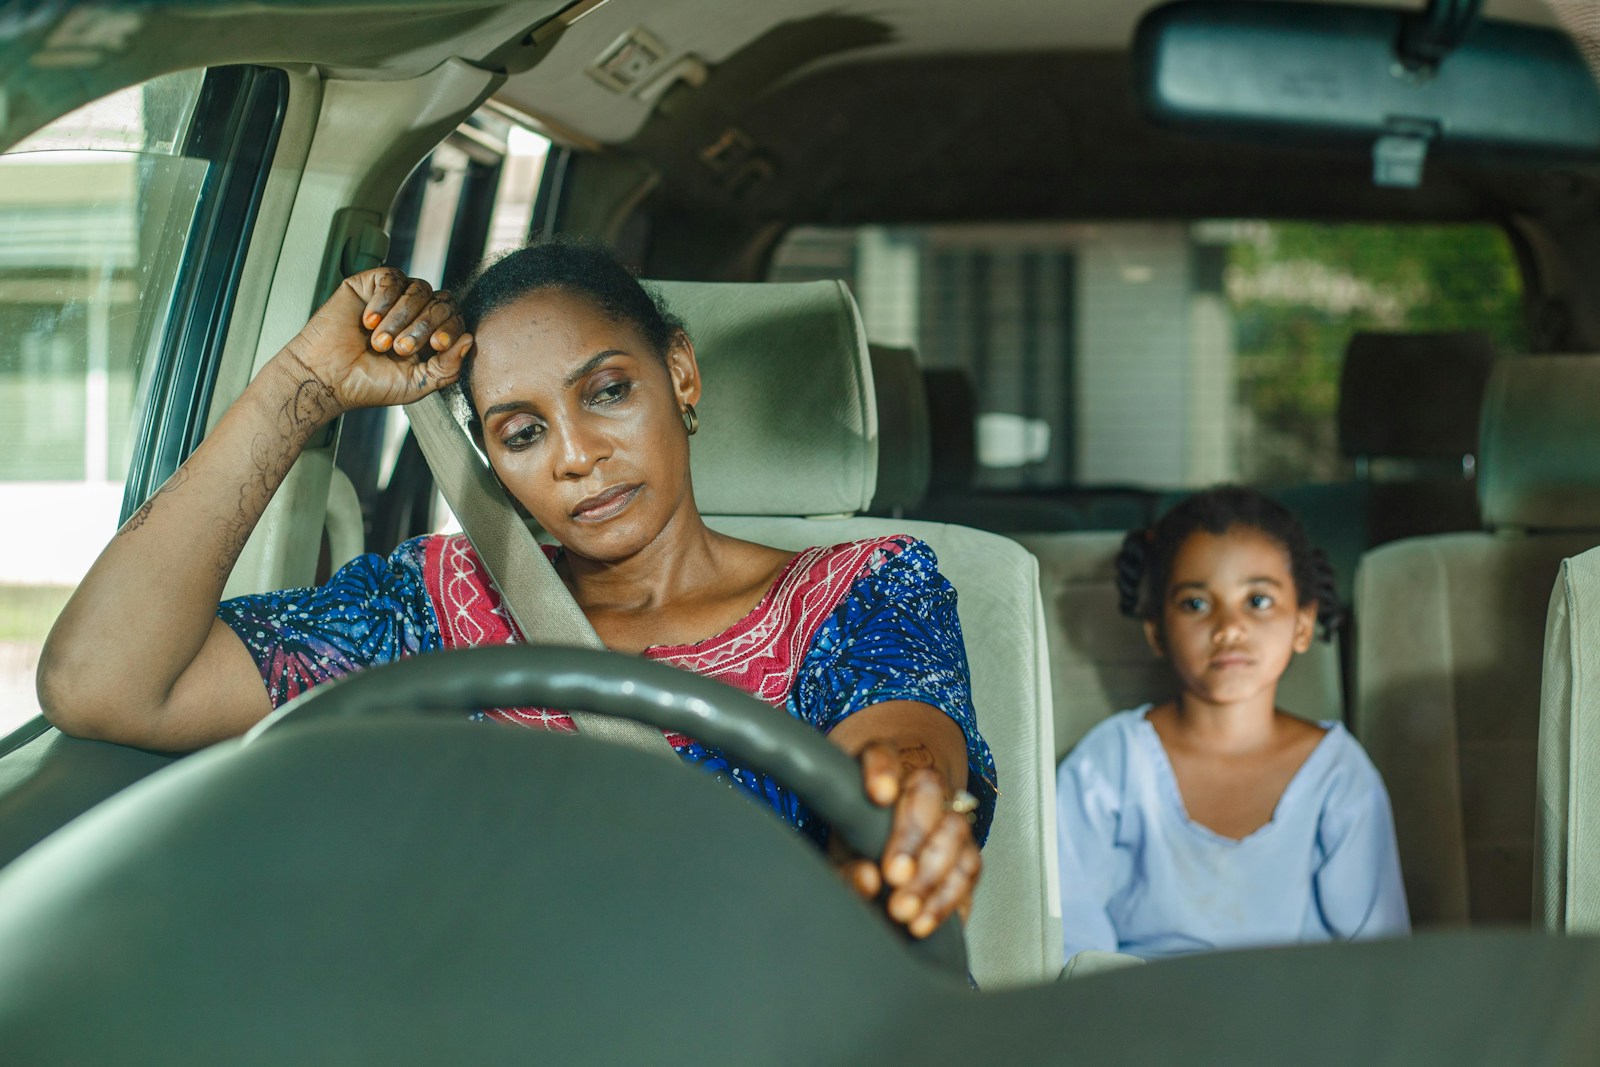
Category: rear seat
[1408,414]
[1448,647]
[1415,398]
[904,461]
[1099,661]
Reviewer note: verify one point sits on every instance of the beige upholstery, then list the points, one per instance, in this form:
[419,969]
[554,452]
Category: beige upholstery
[1448,647]
[904,452]
[770,385]
[1567,896]
[1015,933]
[784,430]
[1099,661]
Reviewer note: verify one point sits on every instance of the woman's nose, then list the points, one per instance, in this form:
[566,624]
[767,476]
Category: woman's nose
[578,452]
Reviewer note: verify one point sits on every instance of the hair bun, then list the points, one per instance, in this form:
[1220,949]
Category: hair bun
[1330,613]
[1131,561]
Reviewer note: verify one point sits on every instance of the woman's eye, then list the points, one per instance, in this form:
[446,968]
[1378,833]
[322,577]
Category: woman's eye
[523,436]
[612,393]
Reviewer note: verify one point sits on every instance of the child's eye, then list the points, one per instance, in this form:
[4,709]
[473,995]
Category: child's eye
[1261,601]
[1192,605]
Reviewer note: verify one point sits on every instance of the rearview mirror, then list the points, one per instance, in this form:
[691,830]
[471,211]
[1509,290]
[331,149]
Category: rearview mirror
[1334,73]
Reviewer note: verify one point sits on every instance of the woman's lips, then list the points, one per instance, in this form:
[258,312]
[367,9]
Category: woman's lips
[605,505]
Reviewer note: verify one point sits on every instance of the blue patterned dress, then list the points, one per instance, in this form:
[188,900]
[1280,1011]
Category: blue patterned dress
[842,628]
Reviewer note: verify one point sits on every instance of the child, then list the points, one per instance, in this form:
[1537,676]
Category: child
[1217,820]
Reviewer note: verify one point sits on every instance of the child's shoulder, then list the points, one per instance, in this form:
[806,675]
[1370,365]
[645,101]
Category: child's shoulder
[1110,737]
[1348,773]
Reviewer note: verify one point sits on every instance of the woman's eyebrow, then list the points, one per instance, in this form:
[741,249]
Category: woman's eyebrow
[501,409]
[589,365]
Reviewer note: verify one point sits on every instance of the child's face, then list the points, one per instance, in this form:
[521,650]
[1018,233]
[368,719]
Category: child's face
[1231,621]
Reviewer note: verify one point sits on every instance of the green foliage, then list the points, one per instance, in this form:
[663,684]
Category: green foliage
[1299,291]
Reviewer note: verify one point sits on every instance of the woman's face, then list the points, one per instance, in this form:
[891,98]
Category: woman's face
[583,422]
[1231,619]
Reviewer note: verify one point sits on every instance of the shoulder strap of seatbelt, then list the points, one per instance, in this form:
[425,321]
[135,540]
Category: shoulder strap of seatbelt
[529,586]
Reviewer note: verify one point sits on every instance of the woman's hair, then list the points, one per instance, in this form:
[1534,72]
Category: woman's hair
[1145,562]
[575,266]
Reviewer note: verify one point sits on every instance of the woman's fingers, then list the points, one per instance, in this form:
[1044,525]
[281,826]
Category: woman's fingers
[917,815]
[446,333]
[880,773]
[930,861]
[863,877]
[939,854]
[444,368]
[952,894]
[422,332]
[381,288]
[417,295]
[933,864]
[439,371]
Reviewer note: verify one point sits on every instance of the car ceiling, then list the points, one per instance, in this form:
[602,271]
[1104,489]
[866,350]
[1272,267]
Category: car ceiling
[559,89]
[943,110]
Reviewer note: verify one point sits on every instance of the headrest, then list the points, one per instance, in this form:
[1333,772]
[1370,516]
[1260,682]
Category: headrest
[903,444]
[1539,466]
[953,422]
[1413,395]
[788,425]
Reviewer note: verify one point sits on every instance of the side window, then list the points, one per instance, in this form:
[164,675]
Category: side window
[99,213]
[473,197]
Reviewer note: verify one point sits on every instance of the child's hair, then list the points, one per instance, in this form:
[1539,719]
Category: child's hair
[1145,561]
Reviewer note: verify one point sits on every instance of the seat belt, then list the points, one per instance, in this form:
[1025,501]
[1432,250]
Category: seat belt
[529,586]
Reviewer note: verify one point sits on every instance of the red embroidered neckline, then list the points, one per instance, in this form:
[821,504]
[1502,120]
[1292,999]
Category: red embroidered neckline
[760,653]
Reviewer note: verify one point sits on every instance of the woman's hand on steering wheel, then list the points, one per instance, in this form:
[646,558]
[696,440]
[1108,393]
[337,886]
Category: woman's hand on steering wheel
[382,338]
[931,863]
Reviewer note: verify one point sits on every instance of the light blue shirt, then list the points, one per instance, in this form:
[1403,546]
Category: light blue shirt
[1139,876]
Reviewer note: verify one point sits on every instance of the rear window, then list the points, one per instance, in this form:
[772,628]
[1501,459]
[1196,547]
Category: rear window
[1160,354]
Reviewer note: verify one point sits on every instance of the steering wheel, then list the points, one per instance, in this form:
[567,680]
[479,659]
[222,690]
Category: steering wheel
[798,757]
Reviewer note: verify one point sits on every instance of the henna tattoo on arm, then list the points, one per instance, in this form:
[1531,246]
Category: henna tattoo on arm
[303,413]
[140,517]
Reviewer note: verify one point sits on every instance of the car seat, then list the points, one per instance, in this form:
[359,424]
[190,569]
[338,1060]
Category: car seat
[1448,644]
[1566,895]
[788,454]
[1409,407]
[904,435]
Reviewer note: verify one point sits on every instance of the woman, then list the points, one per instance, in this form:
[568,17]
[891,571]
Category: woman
[581,392]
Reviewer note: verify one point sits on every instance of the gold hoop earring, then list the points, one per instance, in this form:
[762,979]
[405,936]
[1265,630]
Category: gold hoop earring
[691,421]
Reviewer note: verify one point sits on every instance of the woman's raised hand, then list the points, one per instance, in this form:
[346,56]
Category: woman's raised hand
[382,338]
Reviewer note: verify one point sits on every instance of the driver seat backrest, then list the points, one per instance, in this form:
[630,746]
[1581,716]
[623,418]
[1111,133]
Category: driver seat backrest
[788,455]
[1448,644]
[1567,819]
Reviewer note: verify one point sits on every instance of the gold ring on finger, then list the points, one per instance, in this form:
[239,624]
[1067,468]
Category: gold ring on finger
[963,803]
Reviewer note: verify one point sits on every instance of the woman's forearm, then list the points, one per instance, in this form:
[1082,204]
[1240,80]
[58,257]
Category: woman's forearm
[145,609]
[922,736]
